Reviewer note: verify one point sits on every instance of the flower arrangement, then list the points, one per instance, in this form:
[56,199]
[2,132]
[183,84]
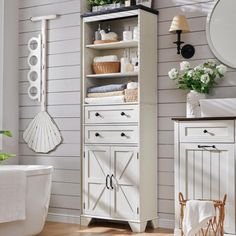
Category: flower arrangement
[200,79]
[103,2]
[5,156]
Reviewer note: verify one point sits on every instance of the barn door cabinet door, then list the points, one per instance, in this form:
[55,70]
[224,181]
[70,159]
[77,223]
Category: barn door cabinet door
[111,182]
[209,173]
[125,178]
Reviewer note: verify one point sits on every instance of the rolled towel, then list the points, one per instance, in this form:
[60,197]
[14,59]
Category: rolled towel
[105,100]
[132,85]
[107,88]
[108,94]
[196,215]
[106,59]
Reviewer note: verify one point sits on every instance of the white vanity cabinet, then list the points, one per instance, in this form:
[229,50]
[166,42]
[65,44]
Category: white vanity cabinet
[205,163]
[119,141]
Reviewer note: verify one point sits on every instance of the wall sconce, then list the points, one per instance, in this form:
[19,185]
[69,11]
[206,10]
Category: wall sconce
[179,25]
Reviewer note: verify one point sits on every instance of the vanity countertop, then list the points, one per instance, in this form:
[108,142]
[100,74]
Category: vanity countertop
[204,118]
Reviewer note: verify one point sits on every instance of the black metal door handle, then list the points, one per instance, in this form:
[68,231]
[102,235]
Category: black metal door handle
[97,114]
[122,134]
[108,176]
[111,184]
[97,134]
[206,146]
[122,113]
[205,131]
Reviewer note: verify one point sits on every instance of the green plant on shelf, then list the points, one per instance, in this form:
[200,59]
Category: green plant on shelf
[5,156]
[103,2]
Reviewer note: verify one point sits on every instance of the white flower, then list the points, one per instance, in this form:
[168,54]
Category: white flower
[200,67]
[185,65]
[221,69]
[190,73]
[208,71]
[205,79]
[173,73]
[211,62]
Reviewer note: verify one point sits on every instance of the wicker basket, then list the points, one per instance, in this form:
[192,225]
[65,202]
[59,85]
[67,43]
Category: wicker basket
[106,67]
[131,95]
[215,225]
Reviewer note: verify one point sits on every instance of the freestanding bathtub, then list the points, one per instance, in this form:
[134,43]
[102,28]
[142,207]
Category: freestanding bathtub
[38,191]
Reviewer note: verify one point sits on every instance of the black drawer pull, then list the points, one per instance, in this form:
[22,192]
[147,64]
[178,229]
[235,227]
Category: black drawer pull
[122,113]
[111,184]
[122,134]
[97,134]
[97,114]
[206,146]
[205,131]
[107,181]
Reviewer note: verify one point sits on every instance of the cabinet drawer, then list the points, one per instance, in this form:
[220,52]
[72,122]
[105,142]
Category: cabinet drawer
[111,114]
[210,131]
[111,134]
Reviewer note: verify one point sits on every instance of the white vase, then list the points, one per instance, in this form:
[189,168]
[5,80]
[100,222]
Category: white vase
[193,105]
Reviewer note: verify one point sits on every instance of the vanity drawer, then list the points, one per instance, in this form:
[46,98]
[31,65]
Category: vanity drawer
[111,134]
[111,114]
[210,131]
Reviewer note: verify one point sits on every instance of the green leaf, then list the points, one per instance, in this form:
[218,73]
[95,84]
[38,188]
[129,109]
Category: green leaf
[5,156]
[6,133]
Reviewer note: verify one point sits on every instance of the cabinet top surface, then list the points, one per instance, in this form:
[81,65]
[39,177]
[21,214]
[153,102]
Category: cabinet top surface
[203,118]
[122,9]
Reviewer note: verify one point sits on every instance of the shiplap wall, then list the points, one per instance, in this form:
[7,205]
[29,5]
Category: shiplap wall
[63,99]
[64,95]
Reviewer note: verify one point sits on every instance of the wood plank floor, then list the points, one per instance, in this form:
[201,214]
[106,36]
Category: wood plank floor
[97,229]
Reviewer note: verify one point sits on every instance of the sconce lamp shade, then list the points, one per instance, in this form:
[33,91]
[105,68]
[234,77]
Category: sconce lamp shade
[179,23]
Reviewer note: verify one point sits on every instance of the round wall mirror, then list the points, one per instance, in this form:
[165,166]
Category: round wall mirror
[221,31]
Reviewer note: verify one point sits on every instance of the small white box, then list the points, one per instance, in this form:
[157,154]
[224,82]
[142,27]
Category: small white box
[218,107]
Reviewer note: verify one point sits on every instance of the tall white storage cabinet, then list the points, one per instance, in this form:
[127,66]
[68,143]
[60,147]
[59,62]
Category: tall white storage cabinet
[205,163]
[119,164]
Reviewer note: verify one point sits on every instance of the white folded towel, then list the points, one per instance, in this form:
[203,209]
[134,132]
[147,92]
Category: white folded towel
[110,58]
[104,100]
[132,85]
[12,195]
[196,215]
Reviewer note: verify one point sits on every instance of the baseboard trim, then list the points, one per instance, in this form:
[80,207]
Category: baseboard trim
[71,219]
[165,223]
[68,219]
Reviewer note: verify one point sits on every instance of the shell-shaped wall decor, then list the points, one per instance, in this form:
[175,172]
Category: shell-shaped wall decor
[35,62]
[42,134]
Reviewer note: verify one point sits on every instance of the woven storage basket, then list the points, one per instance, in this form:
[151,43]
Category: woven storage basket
[131,95]
[106,67]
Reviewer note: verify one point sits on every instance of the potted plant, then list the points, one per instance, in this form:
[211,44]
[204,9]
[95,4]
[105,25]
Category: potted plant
[101,5]
[5,156]
[199,81]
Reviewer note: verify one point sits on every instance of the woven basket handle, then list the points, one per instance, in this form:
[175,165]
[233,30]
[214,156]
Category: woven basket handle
[224,199]
[181,197]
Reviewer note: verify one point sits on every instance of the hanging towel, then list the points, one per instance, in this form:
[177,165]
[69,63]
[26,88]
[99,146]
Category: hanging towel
[13,195]
[105,100]
[107,88]
[108,94]
[197,214]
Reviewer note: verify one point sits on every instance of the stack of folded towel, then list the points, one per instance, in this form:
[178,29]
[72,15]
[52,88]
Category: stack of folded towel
[131,92]
[112,93]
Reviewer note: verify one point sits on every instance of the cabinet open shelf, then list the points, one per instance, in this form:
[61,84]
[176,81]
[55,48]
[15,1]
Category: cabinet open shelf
[114,45]
[113,75]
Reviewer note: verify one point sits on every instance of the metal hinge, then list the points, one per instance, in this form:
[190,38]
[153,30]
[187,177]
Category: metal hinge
[138,210]
[84,154]
[137,156]
[84,205]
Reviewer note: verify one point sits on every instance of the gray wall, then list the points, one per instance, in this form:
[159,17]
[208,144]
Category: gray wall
[63,98]
[64,95]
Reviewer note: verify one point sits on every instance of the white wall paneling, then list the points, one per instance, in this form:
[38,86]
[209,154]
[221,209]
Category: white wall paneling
[63,99]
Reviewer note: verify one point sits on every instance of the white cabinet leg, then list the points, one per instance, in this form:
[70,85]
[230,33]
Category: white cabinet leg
[84,220]
[154,223]
[138,227]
